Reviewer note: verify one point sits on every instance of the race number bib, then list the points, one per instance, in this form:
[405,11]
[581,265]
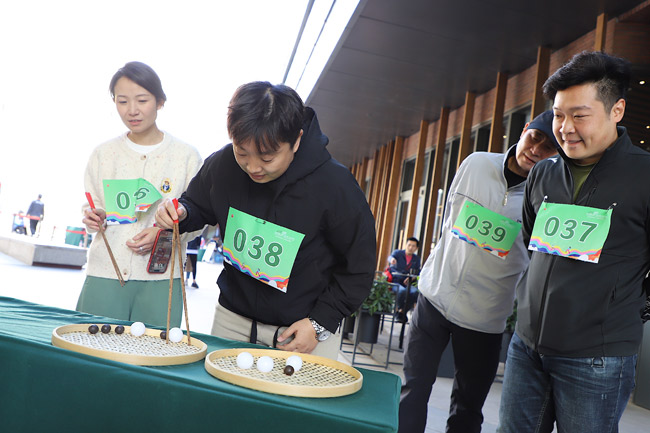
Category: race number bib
[485,229]
[125,197]
[577,232]
[261,249]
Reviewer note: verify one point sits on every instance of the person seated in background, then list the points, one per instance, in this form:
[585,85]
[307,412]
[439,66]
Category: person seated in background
[405,262]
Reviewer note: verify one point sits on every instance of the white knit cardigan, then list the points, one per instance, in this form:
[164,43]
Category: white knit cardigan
[173,164]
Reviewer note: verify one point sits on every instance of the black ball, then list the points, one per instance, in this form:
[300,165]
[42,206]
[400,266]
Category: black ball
[288,370]
[106,329]
[163,335]
[93,329]
[119,329]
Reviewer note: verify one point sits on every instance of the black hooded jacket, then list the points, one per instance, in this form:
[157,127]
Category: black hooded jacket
[576,309]
[316,196]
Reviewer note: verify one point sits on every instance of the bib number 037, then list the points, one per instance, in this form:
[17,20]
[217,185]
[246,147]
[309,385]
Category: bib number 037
[576,232]
[567,229]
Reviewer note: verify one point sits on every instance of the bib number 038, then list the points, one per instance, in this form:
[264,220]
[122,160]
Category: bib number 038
[260,248]
[256,248]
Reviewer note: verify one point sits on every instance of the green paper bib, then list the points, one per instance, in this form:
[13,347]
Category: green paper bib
[261,249]
[577,232]
[125,197]
[485,229]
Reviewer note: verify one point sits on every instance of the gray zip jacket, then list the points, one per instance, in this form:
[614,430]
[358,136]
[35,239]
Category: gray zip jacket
[469,286]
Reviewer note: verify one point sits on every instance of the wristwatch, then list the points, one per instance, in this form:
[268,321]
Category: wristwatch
[322,334]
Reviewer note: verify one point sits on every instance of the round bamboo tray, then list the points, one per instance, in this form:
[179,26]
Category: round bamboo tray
[319,377]
[148,349]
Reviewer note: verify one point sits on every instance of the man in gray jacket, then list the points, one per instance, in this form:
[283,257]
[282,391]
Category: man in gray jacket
[468,281]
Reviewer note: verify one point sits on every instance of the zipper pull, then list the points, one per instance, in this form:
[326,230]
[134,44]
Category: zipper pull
[505,199]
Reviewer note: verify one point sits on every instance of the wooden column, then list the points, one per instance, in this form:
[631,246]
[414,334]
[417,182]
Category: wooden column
[601,32]
[381,168]
[364,173]
[373,181]
[541,74]
[434,185]
[383,190]
[466,131]
[417,179]
[355,171]
[496,131]
[385,234]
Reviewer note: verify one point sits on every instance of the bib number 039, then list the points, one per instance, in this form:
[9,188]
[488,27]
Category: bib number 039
[486,229]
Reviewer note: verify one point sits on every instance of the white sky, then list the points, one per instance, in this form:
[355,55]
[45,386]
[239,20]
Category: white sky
[58,58]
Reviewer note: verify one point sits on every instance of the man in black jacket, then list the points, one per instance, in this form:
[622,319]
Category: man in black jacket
[586,219]
[298,236]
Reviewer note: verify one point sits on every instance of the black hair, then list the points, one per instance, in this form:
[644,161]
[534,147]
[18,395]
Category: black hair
[265,113]
[610,74]
[143,76]
[414,239]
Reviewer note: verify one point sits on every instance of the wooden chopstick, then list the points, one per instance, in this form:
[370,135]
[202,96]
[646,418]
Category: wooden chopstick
[180,265]
[176,246]
[108,247]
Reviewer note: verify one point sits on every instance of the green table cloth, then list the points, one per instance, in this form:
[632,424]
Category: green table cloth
[44,388]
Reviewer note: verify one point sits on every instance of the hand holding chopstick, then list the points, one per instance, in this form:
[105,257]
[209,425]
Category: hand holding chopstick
[108,247]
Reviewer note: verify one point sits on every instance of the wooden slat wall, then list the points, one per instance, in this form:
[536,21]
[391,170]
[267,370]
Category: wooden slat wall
[466,145]
[364,171]
[496,131]
[435,184]
[385,231]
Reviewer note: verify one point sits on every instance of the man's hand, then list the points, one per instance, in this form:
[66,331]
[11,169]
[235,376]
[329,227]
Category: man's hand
[94,218]
[392,261]
[167,213]
[304,337]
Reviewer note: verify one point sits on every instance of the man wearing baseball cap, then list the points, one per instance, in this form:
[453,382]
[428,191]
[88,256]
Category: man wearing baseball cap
[468,282]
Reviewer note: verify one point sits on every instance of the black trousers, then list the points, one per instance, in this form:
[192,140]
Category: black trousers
[192,258]
[32,226]
[476,358]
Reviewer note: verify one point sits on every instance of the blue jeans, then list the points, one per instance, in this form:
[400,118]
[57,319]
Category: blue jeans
[582,395]
[401,297]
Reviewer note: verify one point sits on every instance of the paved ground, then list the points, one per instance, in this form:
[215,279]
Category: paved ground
[60,287]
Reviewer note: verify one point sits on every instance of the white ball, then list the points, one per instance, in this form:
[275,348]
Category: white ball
[295,361]
[175,335]
[265,364]
[245,360]
[137,329]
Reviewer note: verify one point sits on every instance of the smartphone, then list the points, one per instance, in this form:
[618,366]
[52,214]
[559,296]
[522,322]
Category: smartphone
[160,253]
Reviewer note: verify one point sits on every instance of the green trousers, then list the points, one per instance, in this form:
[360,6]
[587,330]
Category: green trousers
[137,301]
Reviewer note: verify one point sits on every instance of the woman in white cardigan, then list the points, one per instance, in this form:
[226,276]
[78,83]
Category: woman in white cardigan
[168,164]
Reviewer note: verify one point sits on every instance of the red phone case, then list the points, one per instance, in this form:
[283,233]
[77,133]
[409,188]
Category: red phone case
[161,253]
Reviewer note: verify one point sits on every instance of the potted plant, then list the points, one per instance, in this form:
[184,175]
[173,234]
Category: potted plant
[380,300]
